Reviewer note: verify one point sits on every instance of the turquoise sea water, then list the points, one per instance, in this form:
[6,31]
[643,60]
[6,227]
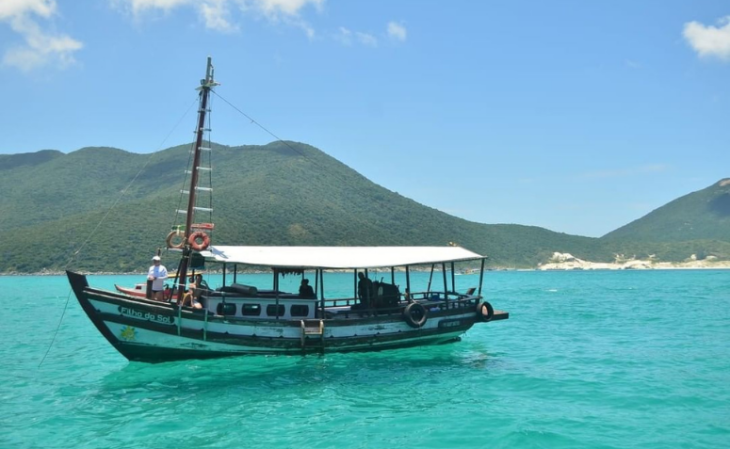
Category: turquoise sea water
[621,359]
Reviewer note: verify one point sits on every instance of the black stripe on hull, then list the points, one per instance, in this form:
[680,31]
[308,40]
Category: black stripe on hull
[153,354]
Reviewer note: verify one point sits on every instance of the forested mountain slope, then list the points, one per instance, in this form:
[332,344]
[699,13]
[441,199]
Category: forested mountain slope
[105,209]
[704,214]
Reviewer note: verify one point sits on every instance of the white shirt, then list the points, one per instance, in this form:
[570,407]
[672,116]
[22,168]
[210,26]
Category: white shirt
[159,273]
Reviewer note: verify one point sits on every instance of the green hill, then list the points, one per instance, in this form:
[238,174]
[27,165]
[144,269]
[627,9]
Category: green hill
[104,209]
[699,215]
[11,161]
[695,224]
[283,193]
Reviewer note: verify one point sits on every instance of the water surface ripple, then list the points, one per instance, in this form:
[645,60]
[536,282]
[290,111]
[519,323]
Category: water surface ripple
[634,359]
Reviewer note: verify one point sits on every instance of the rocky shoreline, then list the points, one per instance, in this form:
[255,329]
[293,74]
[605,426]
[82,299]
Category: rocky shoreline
[566,261]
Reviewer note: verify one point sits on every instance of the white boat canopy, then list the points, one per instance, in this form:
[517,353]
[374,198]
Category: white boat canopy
[338,257]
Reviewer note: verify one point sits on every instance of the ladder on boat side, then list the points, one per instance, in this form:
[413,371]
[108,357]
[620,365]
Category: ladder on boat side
[204,183]
[200,180]
[312,335]
[201,204]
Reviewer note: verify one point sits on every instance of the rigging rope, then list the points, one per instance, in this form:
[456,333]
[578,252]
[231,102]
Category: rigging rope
[258,124]
[103,219]
[124,190]
[134,179]
[65,306]
[185,181]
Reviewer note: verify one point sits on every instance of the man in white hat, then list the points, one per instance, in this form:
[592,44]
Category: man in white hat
[157,274]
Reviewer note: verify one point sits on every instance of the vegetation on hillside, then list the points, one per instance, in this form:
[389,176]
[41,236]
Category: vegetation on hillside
[81,211]
[700,215]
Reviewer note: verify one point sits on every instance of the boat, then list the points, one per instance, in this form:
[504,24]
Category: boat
[238,318]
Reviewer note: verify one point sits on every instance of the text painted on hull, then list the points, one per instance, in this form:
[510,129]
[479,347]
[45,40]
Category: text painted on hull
[140,315]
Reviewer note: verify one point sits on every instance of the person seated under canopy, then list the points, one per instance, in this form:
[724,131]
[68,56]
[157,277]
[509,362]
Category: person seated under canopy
[306,291]
[195,289]
[190,299]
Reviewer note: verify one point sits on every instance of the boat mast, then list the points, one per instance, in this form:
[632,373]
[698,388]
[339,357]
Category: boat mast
[205,87]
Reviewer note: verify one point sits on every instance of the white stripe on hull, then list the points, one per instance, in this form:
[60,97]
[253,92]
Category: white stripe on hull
[136,335]
[145,337]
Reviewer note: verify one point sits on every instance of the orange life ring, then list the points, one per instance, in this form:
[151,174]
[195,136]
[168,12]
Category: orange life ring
[204,240]
[171,236]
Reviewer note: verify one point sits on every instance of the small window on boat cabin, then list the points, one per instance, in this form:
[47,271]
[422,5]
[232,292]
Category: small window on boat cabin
[299,310]
[250,309]
[275,310]
[226,308]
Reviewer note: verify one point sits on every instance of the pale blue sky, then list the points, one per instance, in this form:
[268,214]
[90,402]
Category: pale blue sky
[577,116]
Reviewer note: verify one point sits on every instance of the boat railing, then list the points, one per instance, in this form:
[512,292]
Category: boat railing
[341,302]
[342,305]
[438,296]
[418,296]
[430,300]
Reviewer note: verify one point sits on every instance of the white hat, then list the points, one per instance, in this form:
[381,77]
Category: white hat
[156,258]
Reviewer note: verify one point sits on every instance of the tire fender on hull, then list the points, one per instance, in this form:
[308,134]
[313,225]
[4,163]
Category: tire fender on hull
[415,315]
[485,312]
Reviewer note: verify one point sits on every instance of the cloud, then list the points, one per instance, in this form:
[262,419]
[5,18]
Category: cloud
[139,6]
[214,14]
[13,8]
[40,47]
[217,15]
[286,7]
[367,39]
[709,41]
[397,31]
[344,36]
[301,24]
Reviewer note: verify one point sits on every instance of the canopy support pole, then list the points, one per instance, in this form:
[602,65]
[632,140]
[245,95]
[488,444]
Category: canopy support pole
[446,283]
[430,277]
[481,277]
[408,283]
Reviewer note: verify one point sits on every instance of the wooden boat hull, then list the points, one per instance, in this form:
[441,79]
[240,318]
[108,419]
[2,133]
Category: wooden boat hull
[150,331]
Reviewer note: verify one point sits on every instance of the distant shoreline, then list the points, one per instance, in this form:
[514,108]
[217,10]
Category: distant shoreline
[620,268]
[641,265]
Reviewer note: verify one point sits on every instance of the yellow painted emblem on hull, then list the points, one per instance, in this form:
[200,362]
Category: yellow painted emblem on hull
[128,333]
